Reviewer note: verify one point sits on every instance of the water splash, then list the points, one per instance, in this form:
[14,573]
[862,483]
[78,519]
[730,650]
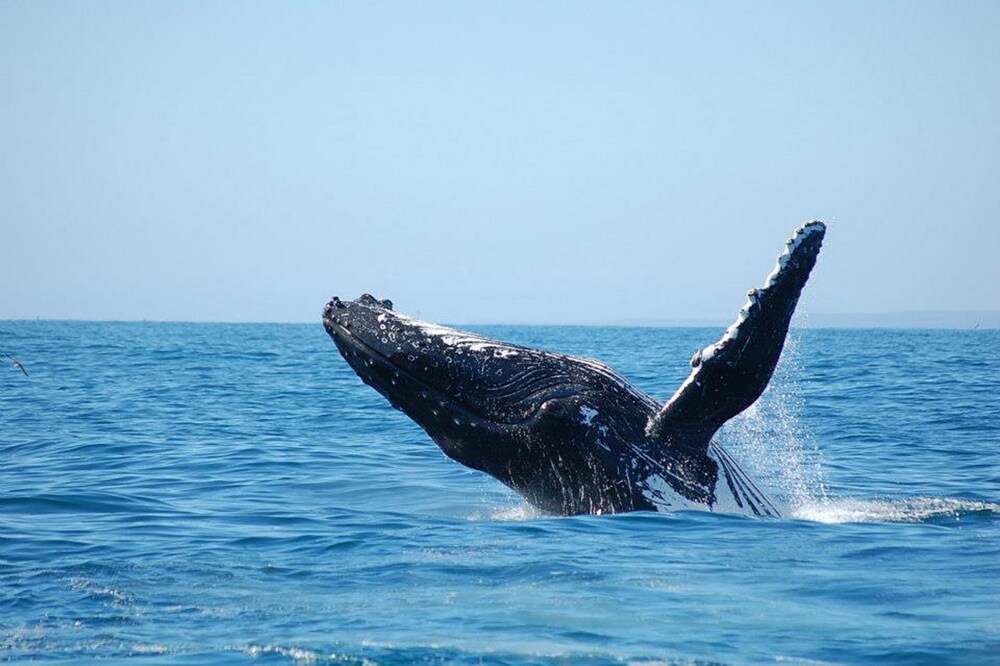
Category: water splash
[502,505]
[770,441]
[514,513]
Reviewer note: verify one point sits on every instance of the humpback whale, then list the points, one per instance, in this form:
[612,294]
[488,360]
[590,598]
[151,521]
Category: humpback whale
[570,434]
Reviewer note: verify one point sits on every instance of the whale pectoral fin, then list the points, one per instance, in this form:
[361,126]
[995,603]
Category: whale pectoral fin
[729,376]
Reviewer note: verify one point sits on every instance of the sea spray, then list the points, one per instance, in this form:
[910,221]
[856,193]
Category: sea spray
[770,441]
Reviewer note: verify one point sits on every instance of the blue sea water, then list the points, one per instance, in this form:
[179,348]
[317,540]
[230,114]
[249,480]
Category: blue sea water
[207,493]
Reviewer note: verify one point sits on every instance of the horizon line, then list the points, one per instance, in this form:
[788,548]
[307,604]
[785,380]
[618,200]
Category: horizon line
[917,319]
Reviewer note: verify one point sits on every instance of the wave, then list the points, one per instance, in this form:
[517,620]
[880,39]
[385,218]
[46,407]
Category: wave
[910,510]
[826,510]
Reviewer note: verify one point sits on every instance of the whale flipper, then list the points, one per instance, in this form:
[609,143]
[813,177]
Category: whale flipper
[729,376]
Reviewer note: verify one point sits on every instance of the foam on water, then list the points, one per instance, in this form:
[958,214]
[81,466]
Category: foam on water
[916,510]
[297,655]
[827,510]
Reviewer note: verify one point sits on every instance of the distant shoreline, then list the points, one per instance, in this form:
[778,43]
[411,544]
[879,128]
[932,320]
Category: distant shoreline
[930,320]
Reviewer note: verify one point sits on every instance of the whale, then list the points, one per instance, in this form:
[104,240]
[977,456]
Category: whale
[570,434]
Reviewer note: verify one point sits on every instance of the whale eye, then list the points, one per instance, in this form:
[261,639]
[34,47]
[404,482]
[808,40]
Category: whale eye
[553,407]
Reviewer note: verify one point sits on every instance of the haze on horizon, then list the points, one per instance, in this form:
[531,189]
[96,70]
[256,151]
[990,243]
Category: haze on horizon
[519,162]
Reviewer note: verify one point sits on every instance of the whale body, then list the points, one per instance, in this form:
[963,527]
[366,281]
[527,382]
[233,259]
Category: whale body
[570,434]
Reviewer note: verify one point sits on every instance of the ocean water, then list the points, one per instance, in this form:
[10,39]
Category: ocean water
[207,493]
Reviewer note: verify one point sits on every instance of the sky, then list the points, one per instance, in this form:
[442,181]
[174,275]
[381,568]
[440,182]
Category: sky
[475,162]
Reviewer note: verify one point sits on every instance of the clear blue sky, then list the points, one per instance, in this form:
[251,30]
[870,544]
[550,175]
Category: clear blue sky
[474,162]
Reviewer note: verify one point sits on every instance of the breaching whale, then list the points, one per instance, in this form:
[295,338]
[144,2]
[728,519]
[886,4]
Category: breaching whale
[570,434]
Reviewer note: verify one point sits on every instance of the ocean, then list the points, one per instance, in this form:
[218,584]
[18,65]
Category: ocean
[232,494]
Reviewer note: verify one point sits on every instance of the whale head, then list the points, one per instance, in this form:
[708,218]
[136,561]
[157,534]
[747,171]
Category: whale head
[516,413]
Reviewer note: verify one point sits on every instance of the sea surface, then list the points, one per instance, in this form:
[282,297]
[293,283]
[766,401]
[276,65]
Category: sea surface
[233,494]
